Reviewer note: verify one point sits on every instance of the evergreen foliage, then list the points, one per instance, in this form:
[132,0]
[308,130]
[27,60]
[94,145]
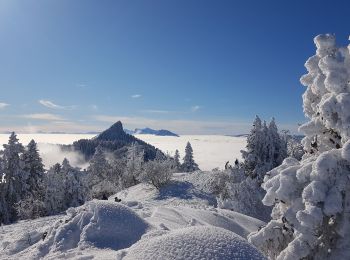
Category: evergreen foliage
[189,165]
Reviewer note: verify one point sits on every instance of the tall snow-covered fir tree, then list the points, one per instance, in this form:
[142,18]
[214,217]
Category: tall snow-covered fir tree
[75,189]
[54,181]
[189,165]
[311,198]
[279,146]
[177,163]
[14,180]
[31,204]
[3,204]
[265,149]
[251,155]
[33,166]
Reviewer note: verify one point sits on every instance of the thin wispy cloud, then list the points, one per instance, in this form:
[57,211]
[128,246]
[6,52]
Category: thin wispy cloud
[136,96]
[195,108]
[52,105]
[156,111]
[3,105]
[81,85]
[94,107]
[44,116]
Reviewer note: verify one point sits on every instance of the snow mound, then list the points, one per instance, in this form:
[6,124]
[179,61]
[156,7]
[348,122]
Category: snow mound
[96,224]
[170,218]
[194,243]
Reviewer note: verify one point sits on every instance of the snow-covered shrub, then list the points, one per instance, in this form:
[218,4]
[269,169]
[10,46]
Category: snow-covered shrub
[221,183]
[134,161]
[30,208]
[101,178]
[157,172]
[295,149]
[237,192]
[311,198]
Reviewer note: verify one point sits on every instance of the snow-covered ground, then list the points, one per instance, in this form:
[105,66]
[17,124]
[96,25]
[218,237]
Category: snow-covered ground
[210,151]
[178,222]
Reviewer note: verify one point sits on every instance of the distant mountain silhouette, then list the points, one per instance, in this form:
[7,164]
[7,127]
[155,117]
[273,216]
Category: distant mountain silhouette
[149,131]
[113,139]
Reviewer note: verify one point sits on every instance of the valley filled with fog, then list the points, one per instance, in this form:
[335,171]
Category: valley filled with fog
[210,151]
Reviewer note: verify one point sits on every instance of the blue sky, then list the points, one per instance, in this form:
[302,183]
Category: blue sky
[205,67]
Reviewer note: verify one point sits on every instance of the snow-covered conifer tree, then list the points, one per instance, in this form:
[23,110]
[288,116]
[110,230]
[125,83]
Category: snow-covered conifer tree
[3,204]
[65,187]
[75,191]
[33,166]
[311,198]
[252,154]
[14,181]
[265,149]
[189,165]
[54,181]
[279,147]
[32,201]
[177,163]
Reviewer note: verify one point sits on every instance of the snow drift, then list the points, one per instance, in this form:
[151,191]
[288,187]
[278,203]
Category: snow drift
[96,224]
[194,243]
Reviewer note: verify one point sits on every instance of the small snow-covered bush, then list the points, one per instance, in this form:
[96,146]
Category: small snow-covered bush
[157,172]
[311,198]
[237,192]
[134,162]
[295,149]
[30,208]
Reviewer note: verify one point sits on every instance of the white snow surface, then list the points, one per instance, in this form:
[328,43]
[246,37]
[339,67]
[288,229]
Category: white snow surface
[210,151]
[178,222]
[194,243]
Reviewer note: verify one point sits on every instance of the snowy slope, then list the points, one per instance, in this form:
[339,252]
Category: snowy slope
[194,243]
[183,212]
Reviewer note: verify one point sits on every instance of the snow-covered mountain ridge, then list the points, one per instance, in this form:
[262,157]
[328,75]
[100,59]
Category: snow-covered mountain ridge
[150,131]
